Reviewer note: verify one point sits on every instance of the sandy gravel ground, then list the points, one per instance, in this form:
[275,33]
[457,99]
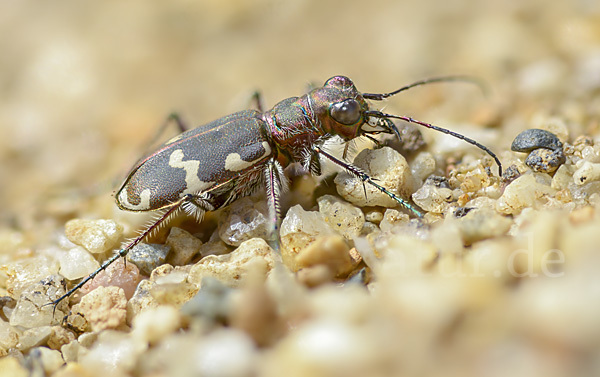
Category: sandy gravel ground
[499,278]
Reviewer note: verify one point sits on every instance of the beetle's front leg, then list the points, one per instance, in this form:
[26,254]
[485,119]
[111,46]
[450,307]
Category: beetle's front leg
[276,183]
[366,179]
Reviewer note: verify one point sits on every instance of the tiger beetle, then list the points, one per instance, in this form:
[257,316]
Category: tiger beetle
[209,167]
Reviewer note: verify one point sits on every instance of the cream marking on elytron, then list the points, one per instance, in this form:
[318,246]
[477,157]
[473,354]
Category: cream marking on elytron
[193,183]
[234,161]
[144,201]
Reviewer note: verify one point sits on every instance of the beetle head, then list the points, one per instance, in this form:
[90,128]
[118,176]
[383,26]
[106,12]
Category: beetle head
[340,107]
[346,111]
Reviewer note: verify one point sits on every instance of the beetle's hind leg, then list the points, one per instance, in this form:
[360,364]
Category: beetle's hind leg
[185,201]
[276,183]
[172,119]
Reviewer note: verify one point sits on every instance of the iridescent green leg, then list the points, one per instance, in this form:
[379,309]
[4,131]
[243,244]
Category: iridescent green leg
[366,179]
[275,183]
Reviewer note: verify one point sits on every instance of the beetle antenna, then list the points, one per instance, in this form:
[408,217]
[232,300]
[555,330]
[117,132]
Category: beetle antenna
[379,114]
[467,79]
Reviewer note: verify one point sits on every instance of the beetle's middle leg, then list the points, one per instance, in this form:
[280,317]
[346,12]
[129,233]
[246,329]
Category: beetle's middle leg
[197,205]
[276,183]
[366,179]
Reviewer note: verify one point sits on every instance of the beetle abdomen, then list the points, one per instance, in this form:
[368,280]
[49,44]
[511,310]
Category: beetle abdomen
[196,161]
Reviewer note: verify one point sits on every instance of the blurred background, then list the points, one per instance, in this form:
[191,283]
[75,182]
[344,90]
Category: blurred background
[85,85]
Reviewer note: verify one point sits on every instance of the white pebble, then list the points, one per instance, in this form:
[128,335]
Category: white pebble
[97,236]
[26,272]
[297,220]
[342,216]
[422,166]
[32,310]
[156,323]
[388,168]
[526,191]
[184,247]
[34,337]
[433,199]
[589,153]
[225,353]
[76,263]
[563,177]
[51,359]
[326,347]
[231,268]
[483,223]
[586,172]
[113,353]
[299,229]
[242,220]
[404,255]
[9,336]
[391,218]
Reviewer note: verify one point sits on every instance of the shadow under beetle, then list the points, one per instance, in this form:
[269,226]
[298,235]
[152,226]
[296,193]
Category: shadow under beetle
[208,167]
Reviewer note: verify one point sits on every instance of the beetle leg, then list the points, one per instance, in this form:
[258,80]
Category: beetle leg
[172,118]
[314,165]
[258,100]
[377,143]
[197,205]
[170,211]
[366,179]
[276,182]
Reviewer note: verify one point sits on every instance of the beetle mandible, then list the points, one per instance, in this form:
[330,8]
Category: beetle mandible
[189,173]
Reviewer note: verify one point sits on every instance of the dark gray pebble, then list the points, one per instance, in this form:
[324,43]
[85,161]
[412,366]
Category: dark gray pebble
[511,173]
[411,137]
[535,138]
[462,211]
[437,181]
[148,256]
[544,160]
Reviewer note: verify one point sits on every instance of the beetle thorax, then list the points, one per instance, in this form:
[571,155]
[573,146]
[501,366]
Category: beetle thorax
[295,124]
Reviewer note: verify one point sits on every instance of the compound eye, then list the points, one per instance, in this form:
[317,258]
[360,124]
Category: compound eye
[346,112]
